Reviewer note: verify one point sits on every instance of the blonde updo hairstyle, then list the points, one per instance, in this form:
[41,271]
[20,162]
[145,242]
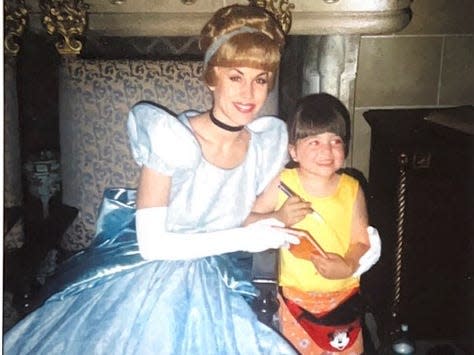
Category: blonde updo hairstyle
[260,49]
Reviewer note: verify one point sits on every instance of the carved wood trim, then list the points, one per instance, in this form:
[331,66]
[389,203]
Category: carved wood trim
[15,23]
[68,18]
[281,9]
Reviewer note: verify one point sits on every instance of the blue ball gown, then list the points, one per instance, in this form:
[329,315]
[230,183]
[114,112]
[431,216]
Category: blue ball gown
[108,300]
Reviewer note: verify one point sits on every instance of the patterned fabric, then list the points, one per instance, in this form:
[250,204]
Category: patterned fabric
[95,98]
[317,303]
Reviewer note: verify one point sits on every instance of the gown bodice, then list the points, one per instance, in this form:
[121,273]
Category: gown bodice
[205,197]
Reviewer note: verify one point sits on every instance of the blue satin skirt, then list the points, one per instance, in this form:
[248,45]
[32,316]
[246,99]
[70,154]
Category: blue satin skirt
[108,300]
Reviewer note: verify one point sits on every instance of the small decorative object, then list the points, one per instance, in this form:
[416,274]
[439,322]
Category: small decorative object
[68,19]
[403,344]
[281,9]
[44,177]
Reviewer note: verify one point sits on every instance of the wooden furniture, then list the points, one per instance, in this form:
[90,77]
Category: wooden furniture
[431,213]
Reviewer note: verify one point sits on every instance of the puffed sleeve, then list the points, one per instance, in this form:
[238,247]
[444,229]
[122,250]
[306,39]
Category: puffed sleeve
[271,140]
[160,141]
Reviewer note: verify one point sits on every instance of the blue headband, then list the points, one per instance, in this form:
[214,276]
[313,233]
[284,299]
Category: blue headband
[213,48]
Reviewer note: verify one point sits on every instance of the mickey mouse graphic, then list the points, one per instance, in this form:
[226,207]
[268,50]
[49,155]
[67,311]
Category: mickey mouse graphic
[340,338]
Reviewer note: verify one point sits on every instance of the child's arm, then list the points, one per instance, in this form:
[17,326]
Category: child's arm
[291,212]
[359,235]
[340,267]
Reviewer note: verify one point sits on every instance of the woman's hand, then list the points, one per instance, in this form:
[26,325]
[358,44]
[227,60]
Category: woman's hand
[293,211]
[268,234]
[333,266]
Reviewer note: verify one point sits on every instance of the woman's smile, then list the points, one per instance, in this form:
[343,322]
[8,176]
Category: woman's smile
[244,108]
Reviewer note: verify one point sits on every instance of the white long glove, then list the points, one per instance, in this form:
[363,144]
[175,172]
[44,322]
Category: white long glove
[155,243]
[372,255]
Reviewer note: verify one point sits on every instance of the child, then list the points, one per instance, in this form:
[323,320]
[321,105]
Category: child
[319,290]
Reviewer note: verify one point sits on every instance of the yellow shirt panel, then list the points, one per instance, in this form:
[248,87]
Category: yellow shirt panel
[334,234]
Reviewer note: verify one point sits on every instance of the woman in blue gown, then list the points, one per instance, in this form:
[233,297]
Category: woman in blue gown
[163,275]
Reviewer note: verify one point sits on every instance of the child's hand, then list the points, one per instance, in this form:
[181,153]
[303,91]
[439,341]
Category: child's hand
[293,211]
[333,266]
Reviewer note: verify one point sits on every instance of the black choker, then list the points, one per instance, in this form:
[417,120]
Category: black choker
[223,125]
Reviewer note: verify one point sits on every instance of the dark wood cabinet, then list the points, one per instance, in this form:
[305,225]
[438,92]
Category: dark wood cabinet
[436,279]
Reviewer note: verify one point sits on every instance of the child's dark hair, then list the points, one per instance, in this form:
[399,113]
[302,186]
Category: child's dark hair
[319,113]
